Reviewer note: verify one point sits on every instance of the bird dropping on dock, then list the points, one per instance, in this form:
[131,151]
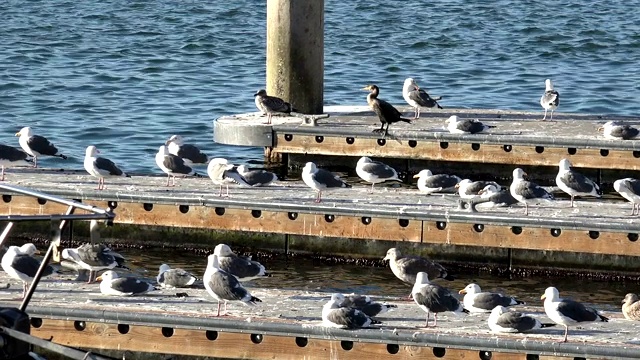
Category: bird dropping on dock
[417,97]
[430,183]
[221,172]
[618,131]
[629,188]
[244,269]
[190,154]
[100,167]
[502,320]
[549,100]
[567,312]
[257,177]
[112,284]
[527,192]
[271,105]
[10,157]
[333,315]
[172,165]
[433,298]
[174,278]
[19,263]
[574,183]
[321,180]
[36,145]
[375,172]
[455,125]
[385,111]
[223,286]
[478,301]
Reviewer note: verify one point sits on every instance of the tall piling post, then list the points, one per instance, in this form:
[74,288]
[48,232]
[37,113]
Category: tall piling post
[295,53]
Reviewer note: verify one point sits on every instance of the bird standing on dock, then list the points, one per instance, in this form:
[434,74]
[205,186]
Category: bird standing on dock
[385,111]
[567,312]
[10,156]
[223,173]
[243,269]
[19,263]
[465,126]
[271,105]
[334,315]
[574,183]
[549,100]
[527,192]
[429,183]
[375,172]
[112,284]
[617,131]
[223,286]
[172,165]
[468,189]
[406,268]
[502,320]
[100,167]
[321,180]
[92,257]
[174,278]
[36,145]
[417,97]
[631,307]
[257,177]
[629,188]
[492,196]
[363,303]
[477,301]
[190,154]
[433,298]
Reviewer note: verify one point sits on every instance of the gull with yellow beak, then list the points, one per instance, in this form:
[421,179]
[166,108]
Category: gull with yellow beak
[567,312]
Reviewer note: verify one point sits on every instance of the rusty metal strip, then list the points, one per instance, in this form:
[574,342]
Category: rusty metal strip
[504,153]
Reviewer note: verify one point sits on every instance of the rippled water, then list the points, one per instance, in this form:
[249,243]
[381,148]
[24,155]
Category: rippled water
[125,75]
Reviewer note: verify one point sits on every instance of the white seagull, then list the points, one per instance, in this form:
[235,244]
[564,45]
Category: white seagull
[477,301]
[468,189]
[321,180]
[429,183]
[333,315]
[492,196]
[364,304]
[567,312]
[172,165]
[271,105]
[375,172]
[223,286]
[10,156]
[112,284]
[242,268]
[190,154]
[174,278]
[549,100]
[36,145]
[574,183]
[629,188]
[19,263]
[222,173]
[617,131]
[465,126]
[417,97]
[100,167]
[502,320]
[527,192]
[257,177]
[433,298]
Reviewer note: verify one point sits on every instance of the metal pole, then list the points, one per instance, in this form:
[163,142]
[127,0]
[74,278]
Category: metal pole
[5,232]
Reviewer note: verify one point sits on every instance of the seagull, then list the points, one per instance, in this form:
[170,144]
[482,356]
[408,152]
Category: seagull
[567,312]
[100,167]
[344,317]
[321,180]
[10,156]
[270,105]
[364,304]
[243,269]
[406,268]
[527,192]
[417,97]
[172,165]
[223,286]
[574,183]
[92,257]
[112,284]
[387,114]
[375,172]
[465,126]
[617,131]
[631,307]
[492,196]
[433,298]
[502,320]
[549,100]
[429,183]
[19,263]
[174,278]
[223,173]
[190,154]
[477,301]
[629,188]
[36,145]
[257,177]
[469,189]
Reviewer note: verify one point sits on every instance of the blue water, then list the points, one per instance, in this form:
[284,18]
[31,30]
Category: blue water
[124,75]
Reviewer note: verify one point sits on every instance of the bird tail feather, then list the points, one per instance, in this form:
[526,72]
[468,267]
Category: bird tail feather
[544,325]
[406,120]
[254,300]
[64,157]
[603,318]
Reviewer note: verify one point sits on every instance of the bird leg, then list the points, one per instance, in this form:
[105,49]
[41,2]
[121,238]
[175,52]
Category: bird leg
[427,323]
[35,161]
[545,115]
[2,178]
[633,209]
[269,118]
[571,200]
[168,176]
[92,274]
[551,117]
[218,314]
[417,112]
[386,130]
[173,181]
[318,199]
[220,190]
[566,333]
[526,209]
[435,321]
[25,287]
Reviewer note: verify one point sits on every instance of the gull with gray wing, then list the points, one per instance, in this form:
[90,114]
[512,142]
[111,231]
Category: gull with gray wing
[172,165]
[190,154]
[100,167]
[502,320]
[417,97]
[567,312]
[549,100]
[617,131]
[112,284]
[256,177]
[10,157]
[478,301]
[629,188]
[36,145]
[243,269]
[224,287]
[406,268]
[321,180]
[430,183]
[574,183]
[465,126]
[221,172]
[468,189]
[375,172]
[19,263]
[271,105]
[364,304]
[433,298]
[492,196]
[334,315]
[174,278]
[527,192]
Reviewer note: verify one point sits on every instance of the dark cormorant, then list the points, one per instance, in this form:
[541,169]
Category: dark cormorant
[385,111]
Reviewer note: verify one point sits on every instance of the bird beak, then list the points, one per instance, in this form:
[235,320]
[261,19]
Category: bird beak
[368,87]
[385,258]
[18,133]
[99,278]
[601,128]
[256,94]
[416,176]
[457,186]
[169,141]
[623,301]
[543,297]
[481,192]
[463,291]
[38,252]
